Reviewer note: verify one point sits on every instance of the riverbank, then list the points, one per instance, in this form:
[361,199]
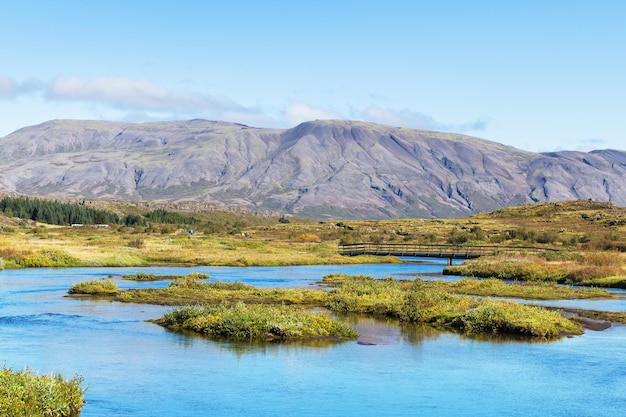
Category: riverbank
[592,269]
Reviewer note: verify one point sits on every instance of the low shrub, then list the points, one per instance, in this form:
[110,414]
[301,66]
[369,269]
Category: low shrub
[27,394]
[512,318]
[308,237]
[47,258]
[136,243]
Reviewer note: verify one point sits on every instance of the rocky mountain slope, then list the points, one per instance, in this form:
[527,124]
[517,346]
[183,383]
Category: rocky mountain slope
[320,169]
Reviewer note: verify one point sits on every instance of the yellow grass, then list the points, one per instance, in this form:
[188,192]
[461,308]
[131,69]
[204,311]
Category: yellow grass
[591,238]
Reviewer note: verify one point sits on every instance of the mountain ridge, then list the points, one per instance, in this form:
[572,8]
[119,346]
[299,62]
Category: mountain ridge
[318,169]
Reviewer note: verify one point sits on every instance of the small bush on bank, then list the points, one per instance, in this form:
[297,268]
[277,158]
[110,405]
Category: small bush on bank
[308,237]
[27,394]
[512,318]
[136,243]
[47,258]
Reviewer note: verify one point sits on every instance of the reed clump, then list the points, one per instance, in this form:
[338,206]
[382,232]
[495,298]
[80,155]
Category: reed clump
[100,287]
[24,393]
[512,318]
[256,323]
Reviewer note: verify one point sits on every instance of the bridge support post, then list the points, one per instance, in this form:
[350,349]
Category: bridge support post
[449,261]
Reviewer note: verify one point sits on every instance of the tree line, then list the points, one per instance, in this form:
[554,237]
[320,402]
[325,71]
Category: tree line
[66,214]
[55,212]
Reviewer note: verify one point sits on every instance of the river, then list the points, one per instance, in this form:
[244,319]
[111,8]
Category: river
[134,368]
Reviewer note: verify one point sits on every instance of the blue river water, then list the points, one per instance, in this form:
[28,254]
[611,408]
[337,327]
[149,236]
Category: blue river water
[135,368]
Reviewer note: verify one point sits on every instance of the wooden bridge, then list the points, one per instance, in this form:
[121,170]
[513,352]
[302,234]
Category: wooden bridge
[436,251]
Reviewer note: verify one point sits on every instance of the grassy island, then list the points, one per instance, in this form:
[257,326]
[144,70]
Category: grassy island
[420,302]
[436,303]
[95,287]
[142,276]
[23,393]
[256,323]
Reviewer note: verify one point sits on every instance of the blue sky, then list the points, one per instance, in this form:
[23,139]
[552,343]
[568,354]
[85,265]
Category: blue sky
[537,75]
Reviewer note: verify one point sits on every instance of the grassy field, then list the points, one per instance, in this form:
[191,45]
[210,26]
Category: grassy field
[24,247]
[589,238]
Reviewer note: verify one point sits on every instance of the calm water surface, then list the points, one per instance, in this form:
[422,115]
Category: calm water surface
[134,368]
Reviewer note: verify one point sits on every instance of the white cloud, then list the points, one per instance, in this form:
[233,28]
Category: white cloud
[11,88]
[586,145]
[142,100]
[417,120]
[134,94]
[296,113]
[8,87]
[138,100]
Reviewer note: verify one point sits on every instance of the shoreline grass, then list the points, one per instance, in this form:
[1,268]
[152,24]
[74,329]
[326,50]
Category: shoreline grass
[23,393]
[591,270]
[526,290]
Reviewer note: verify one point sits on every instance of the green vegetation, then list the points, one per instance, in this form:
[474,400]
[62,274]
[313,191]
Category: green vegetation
[54,212]
[142,276]
[436,303]
[417,303]
[486,288]
[587,240]
[44,258]
[169,217]
[594,269]
[96,287]
[27,394]
[256,323]
[526,290]
[192,292]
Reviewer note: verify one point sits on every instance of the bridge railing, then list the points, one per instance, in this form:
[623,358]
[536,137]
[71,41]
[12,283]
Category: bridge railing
[432,250]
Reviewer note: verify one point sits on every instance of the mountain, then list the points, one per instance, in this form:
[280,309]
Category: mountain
[318,169]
